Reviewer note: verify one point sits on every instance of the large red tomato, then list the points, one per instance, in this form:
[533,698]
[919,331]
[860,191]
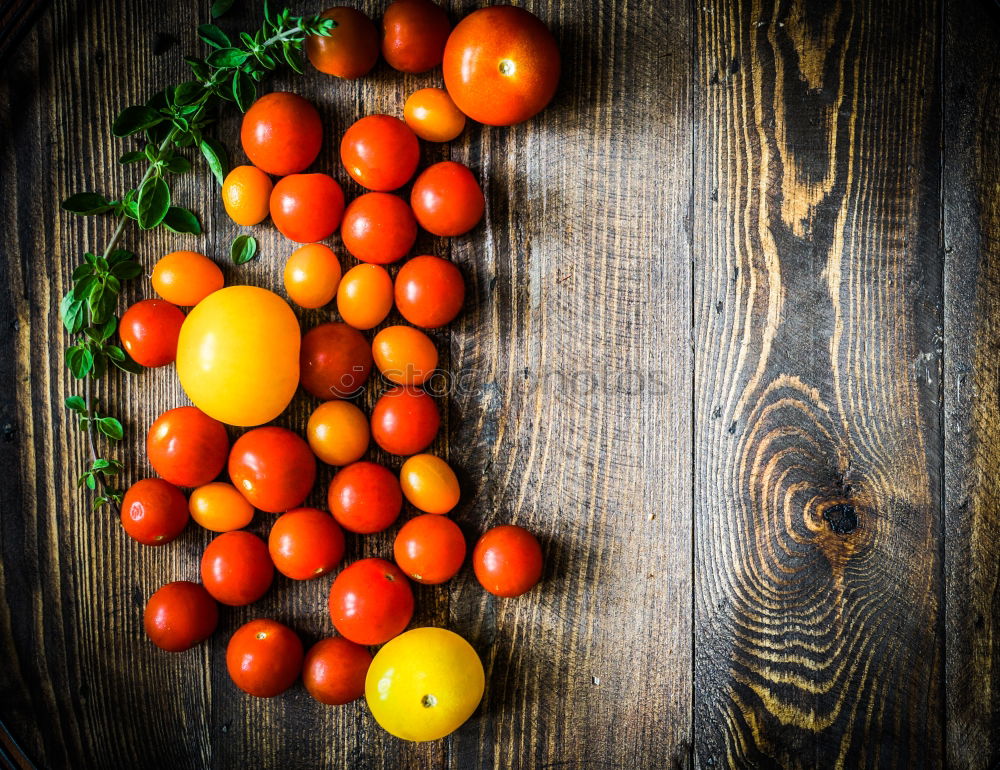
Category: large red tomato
[501,65]
[335,361]
[281,133]
[380,152]
[273,468]
[179,615]
[236,568]
[187,447]
[264,657]
[378,227]
[371,602]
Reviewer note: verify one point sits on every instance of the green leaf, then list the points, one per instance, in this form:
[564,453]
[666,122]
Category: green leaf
[293,57]
[71,313]
[153,202]
[100,364]
[179,165]
[180,220]
[91,481]
[107,329]
[226,58]
[99,464]
[265,59]
[120,255]
[114,352]
[76,403]
[215,155]
[132,157]
[248,40]
[157,134]
[84,286]
[214,36]
[82,271]
[86,204]
[244,249]
[79,360]
[112,284]
[111,428]
[126,271]
[134,119]
[188,92]
[127,365]
[198,67]
[244,90]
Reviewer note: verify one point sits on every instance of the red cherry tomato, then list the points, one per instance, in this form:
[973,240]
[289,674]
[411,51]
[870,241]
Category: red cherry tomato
[507,561]
[446,199]
[365,497]
[429,291]
[413,35]
[334,361]
[154,512]
[180,615]
[149,331]
[501,65]
[405,420]
[371,602]
[334,670]
[307,207]
[281,133]
[305,543]
[273,468]
[350,50]
[430,549]
[380,152]
[236,568]
[264,658]
[379,228]
[187,447]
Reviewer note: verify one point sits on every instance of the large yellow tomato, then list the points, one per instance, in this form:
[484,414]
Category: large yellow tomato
[238,355]
[424,684]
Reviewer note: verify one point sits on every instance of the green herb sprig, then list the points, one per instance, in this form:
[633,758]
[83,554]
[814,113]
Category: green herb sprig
[173,120]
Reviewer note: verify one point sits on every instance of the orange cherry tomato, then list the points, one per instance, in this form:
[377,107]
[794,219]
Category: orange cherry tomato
[429,483]
[219,507]
[281,133]
[335,361]
[447,199]
[405,420]
[364,297]
[379,228]
[365,498]
[371,602]
[501,65]
[334,670]
[338,432]
[305,543]
[507,561]
[380,152]
[404,355]
[307,207]
[312,275]
[429,549]
[236,568]
[180,615]
[273,468]
[246,193]
[187,447]
[429,291]
[264,658]
[433,116]
[350,50]
[413,35]
[149,331]
[186,277]
[154,512]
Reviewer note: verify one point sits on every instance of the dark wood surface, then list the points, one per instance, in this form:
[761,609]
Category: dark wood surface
[730,349]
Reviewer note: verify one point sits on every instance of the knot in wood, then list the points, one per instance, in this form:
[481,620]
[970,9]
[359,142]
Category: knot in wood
[842,518]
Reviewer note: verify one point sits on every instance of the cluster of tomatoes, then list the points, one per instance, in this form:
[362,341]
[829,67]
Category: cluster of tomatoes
[241,356]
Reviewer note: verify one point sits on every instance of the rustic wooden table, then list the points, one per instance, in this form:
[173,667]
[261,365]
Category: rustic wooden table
[731,349]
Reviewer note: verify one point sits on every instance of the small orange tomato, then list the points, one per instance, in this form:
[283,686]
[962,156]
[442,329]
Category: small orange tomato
[312,274]
[364,297]
[429,483]
[246,194]
[305,543]
[219,507]
[334,670]
[432,115]
[351,48]
[404,355]
[429,549]
[307,207]
[186,277]
[338,432]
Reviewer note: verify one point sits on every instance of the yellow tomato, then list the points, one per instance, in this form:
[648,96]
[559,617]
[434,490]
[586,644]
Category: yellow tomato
[238,355]
[424,684]
[429,483]
[220,507]
[338,432]
[312,275]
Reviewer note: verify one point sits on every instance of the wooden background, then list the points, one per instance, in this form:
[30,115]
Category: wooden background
[730,349]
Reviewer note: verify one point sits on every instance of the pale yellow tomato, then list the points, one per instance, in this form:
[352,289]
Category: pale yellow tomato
[220,507]
[423,684]
[312,275]
[238,355]
[429,483]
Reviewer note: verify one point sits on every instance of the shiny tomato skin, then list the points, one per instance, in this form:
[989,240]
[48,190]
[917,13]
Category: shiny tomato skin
[432,115]
[281,133]
[364,297]
[180,615]
[338,432]
[334,670]
[501,65]
[365,498]
[305,543]
[273,468]
[414,33]
[446,199]
[187,447]
[219,507]
[429,483]
[508,561]
[380,152]
[307,207]
[350,50]
[405,420]
[429,291]
[245,194]
[335,361]
[404,355]
[149,331]
[312,275]
[371,602]
[379,227]
[154,512]
[430,549]
[236,568]
[185,278]
[264,658]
